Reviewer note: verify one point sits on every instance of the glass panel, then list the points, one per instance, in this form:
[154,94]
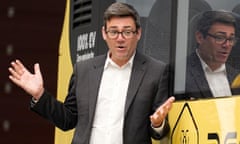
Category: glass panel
[190,80]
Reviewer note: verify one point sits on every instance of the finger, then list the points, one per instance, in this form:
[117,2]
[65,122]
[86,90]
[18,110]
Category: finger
[167,104]
[14,74]
[158,113]
[169,100]
[19,63]
[21,66]
[16,67]
[156,119]
[165,108]
[37,69]
[15,80]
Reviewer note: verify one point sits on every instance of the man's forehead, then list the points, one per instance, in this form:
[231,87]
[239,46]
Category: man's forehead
[116,27]
[222,28]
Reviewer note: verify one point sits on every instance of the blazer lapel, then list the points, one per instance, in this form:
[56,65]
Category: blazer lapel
[138,71]
[199,77]
[95,75]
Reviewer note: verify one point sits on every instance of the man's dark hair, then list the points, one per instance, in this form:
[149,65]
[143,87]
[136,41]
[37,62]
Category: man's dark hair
[208,18]
[119,9]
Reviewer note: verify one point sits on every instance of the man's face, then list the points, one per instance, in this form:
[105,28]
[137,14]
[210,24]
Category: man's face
[121,48]
[213,52]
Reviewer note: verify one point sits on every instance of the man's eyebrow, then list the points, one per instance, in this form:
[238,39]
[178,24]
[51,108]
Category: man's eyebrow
[224,33]
[113,27]
[125,27]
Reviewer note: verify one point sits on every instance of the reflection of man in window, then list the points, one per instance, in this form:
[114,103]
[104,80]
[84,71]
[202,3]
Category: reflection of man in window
[208,74]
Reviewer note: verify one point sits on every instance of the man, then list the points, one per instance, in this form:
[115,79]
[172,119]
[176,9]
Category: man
[208,75]
[112,99]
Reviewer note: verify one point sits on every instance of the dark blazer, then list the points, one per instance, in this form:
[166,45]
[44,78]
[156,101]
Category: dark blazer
[148,88]
[196,82]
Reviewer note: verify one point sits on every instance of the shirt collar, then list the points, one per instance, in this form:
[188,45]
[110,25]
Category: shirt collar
[205,67]
[110,62]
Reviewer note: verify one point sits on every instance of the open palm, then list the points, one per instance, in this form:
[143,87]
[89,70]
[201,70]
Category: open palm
[31,83]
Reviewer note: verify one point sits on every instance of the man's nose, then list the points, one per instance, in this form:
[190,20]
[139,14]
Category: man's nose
[228,43]
[120,36]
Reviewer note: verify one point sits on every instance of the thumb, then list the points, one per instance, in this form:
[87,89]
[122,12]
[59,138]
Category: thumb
[37,71]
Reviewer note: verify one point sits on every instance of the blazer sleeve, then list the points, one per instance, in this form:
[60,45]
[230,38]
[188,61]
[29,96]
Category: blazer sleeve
[62,115]
[162,96]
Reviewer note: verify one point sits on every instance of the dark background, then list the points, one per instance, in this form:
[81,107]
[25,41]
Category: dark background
[30,31]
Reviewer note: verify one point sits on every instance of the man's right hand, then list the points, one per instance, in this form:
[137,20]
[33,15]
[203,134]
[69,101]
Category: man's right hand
[31,83]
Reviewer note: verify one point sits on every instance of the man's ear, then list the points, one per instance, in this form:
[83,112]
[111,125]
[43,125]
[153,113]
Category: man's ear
[199,37]
[139,33]
[104,33]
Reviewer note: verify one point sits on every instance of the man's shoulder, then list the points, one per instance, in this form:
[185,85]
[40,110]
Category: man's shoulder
[149,59]
[231,69]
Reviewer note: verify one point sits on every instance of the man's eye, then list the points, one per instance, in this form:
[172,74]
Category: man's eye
[113,32]
[232,39]
[127,32]
[220,38]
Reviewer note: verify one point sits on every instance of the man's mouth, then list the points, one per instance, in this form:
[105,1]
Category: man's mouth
[120,47]
[224,52]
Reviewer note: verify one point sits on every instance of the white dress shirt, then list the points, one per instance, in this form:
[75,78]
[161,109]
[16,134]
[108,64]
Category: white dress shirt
[109,116]
[217,79]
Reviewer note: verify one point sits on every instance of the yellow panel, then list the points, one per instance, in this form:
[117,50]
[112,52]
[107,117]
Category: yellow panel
[205,121]
[64,73]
